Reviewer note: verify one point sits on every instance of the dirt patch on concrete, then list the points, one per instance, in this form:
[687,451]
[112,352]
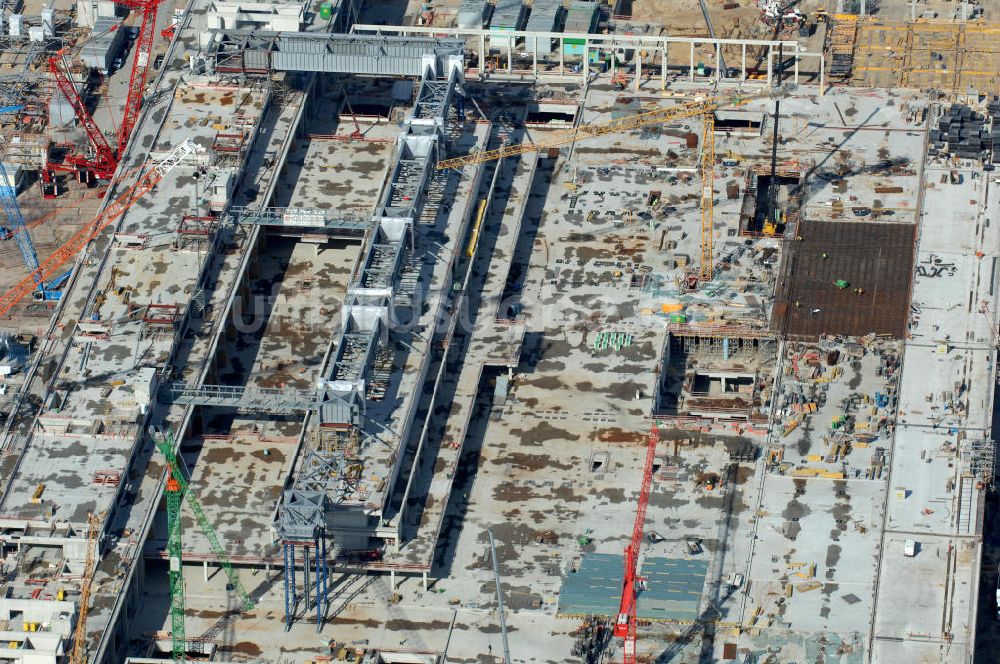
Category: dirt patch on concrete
[617,435]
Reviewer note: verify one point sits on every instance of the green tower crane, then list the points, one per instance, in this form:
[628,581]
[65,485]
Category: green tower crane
[177,489]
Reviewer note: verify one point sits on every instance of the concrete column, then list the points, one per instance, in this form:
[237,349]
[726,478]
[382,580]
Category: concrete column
[638,69]
[534,59]
[663,66]
[392,580]
[204,570]
[425,581]
[743,67]
[822,74]
[795,76]
[770,65]
[691,65]
[718,61]
[482,56]
[510,55]
[586,58]
[562,58]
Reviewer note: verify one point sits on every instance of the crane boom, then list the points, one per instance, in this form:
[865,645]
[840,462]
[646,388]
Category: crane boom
[140,68]
[625,626]
[82,237]
[707,195]
[584,131]
[16,224]
[105,162]
[105,157]
[78,654]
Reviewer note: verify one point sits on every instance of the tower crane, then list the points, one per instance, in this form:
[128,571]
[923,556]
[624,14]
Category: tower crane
[82,237]
[176,489]
[705,108]
[625,626]
[104,163]
[79,653]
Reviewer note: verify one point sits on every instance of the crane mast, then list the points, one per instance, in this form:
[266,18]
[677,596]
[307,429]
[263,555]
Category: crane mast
[79,653]
[178,490]
[625,626]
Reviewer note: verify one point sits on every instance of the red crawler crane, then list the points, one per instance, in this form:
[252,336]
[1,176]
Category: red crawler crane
[625,626]
[104,162]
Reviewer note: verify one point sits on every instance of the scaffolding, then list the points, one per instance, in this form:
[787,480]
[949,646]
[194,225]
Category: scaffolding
[979,461]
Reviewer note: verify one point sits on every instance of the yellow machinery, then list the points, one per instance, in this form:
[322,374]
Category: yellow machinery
[79,654]
[707,193]
[705,108]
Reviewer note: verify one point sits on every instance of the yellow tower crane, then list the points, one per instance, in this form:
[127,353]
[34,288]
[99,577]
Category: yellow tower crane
[707,194]
[79,653]
[705,108]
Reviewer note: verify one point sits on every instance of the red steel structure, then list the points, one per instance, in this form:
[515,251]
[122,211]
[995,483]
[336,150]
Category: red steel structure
[625,626]
[104,163]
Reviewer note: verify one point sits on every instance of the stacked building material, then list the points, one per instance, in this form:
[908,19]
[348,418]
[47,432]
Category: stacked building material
[842,40]
[964,133]
[993,109]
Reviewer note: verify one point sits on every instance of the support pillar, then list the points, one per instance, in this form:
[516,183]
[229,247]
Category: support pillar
[392,580]
[743,67]
[510,56]
[291,598]
[795,76]
[638,69]
[305,577]
[718,61]
[586,59]
[691,65]
[663,66]
[425,581]
[770,65]
[204,570]
[482,57]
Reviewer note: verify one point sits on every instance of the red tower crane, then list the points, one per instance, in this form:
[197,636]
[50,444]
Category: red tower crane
[104,163]
[625,626]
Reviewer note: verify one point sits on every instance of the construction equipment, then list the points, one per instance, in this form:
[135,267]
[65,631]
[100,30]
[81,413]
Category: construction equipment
[707,194]
[82,237]
[79,654]
[18,230]
[104,162]
[704,108]
[584,131]
[773,214]
[625,626]
[176,488]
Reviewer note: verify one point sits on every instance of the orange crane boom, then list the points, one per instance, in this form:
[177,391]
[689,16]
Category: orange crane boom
[82,237]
